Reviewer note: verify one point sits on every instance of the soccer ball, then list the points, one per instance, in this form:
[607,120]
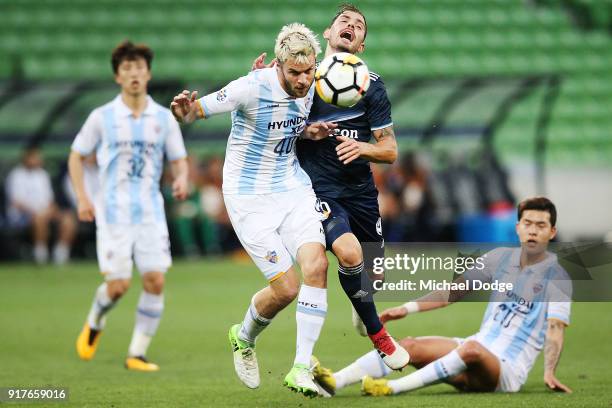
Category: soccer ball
[342,79]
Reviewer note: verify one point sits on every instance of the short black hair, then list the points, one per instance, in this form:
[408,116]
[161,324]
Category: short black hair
[127,50]
[350,7]
[538,204]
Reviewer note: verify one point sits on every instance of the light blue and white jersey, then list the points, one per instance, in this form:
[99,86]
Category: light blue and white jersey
[130,153]
[266,122]
[515,322]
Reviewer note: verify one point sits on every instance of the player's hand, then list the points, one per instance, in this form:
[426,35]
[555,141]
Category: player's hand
[260,62]
[180,188]
[319,130]
[348,150]
[555,385]
[182,106]
[394,313]
[85,210]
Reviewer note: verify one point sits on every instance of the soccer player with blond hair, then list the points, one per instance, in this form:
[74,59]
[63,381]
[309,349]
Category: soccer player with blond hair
[269,197]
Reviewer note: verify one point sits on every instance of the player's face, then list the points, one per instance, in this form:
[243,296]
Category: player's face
[535,231]
[133,76]
[347,33]
[297,78]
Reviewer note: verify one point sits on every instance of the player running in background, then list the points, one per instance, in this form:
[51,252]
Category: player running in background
[340,171]
[130,136]
[516,326]
[269,197]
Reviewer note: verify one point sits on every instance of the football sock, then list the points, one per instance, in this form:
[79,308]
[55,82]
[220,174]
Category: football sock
[358,288]
[252,325]
[369,364]
[310,316]
[148,315]
[436,371]
[102,303]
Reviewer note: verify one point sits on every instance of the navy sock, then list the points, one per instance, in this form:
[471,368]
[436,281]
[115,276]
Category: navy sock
[358,287]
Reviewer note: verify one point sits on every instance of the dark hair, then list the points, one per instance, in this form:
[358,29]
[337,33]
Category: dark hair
[350,7]
[129,51]
[539,204]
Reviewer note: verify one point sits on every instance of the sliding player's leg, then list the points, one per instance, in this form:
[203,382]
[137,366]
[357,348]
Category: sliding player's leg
[469,367]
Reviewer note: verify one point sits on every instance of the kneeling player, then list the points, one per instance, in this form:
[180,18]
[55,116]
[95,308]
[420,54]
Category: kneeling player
[516,326]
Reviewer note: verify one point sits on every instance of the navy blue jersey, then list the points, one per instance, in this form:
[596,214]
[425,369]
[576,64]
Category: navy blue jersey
[330,177]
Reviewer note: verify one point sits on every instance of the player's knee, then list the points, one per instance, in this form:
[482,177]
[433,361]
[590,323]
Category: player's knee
[316,268]
[349,255]
[118,288]
[153,283]
[471,351]
[408,343]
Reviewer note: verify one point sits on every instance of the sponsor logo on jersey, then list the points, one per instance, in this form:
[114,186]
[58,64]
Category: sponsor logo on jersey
[272,257]
[282,124]
[222,95]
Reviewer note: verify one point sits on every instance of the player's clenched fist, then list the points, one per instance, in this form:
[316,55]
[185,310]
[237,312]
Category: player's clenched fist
[184,106]
[85,210]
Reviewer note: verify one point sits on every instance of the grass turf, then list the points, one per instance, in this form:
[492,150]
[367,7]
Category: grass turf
[42,310]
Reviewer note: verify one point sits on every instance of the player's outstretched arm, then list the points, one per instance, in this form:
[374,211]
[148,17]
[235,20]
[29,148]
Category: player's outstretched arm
[383,151]
[433,300]
[85,209]
[185,107]
[552,354]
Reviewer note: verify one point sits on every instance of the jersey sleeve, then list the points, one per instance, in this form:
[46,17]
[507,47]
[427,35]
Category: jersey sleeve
[175,146]
[559,296]
[89,136]
[485,270]
[232,97]
[379,106]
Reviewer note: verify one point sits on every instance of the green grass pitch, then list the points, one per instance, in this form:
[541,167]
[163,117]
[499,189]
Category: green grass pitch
[42,310]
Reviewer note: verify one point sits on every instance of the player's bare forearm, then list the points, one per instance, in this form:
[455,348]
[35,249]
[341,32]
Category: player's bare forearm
[553,345]
[179,169]
[75,169]
[552,354]
[385,148]
[180,173]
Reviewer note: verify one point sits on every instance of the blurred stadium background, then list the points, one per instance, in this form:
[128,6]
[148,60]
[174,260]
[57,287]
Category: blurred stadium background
[493,100]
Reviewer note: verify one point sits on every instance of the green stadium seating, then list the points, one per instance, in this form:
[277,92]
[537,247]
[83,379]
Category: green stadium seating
[214,41]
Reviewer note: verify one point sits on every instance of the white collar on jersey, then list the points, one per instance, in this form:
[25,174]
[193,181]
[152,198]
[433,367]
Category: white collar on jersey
[124,110]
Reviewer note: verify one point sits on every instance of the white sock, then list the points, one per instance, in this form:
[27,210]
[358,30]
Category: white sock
[310,316]
[41,253]
[148,315]
[436,371]
[102,303]
[61,253]
[252,325]
[369,364]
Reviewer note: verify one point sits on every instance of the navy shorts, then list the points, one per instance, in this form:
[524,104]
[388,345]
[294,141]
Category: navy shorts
[357,215]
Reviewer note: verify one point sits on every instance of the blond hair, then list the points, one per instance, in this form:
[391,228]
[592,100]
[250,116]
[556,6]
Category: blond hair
[296,41]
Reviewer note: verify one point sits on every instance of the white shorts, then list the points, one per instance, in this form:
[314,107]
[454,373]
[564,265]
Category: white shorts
[118,245]
[510,380]
[272,227]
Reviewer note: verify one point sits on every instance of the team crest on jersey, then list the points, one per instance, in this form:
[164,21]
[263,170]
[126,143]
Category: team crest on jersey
[537,287]
[272,257]
[222,95]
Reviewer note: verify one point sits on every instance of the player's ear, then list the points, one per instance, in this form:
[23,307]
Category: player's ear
[553,232]
[326,33]
[361,48]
